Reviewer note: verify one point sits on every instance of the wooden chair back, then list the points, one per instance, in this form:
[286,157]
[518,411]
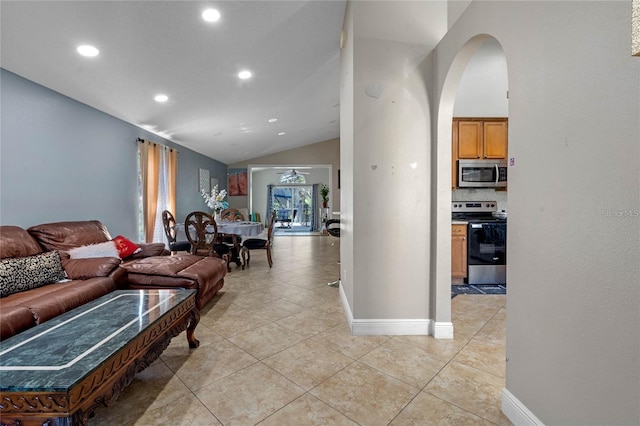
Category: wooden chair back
[202,233]
[169,223]
[232,215]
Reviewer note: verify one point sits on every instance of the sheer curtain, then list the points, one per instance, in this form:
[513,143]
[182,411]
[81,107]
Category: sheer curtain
[158,167]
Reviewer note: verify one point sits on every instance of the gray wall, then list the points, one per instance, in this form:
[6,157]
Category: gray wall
[63,160]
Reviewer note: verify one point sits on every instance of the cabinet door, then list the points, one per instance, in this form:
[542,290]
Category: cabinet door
[458,253]
[469,139]
[454,155]
[495,140]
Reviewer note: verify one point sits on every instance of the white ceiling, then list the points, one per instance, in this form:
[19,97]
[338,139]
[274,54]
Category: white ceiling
[151,47]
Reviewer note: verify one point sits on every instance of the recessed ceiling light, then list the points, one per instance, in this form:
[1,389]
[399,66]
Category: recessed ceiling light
[87,50]
[282,133]
[273,120]
[211,15]
[161,98]
[245,74]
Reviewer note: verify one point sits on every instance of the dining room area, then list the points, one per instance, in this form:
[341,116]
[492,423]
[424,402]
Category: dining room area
[225,234]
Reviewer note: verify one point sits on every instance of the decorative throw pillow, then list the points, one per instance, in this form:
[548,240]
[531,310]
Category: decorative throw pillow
[106,249]
[126,247]
[24,273]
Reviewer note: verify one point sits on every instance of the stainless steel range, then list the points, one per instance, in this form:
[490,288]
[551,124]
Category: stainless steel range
[486,240]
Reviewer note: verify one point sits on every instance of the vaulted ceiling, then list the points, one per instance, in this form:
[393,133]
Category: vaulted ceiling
[146,48]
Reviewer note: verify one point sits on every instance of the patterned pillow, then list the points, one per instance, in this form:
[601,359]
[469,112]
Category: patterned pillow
[24,273]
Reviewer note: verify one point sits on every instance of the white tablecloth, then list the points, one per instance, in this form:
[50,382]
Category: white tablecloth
[246,229]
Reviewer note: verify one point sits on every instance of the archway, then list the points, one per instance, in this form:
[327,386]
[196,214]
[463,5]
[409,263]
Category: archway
[477,51]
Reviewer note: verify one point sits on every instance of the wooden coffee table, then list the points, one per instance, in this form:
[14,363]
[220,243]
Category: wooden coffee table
[59,372]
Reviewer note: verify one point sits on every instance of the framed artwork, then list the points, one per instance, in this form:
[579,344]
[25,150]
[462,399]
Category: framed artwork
[205,183]
[237,182]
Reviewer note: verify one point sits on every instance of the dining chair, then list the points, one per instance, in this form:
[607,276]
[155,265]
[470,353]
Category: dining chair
[232,215]
[259,244]
[202,233]
[333,228]
[169,223]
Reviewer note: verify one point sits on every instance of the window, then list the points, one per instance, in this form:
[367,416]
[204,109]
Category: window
[157,166]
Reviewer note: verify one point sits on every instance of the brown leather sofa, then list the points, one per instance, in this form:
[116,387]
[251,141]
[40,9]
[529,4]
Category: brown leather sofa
[91,278]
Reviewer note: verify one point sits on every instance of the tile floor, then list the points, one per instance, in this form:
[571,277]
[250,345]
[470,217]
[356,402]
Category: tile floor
[275,349]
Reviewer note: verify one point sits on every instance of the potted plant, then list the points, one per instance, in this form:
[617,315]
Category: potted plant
[324,193]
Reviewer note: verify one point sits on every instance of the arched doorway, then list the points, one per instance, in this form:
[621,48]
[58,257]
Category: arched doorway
[476,85]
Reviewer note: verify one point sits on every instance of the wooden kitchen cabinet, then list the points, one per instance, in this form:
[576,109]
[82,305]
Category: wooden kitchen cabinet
[458,253]
[481,138]
[477,139]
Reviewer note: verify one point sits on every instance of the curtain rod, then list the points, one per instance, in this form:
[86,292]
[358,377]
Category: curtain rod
[164,146]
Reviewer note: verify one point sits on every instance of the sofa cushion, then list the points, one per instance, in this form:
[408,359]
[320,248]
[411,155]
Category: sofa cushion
[64,236]
[82,269]
[126,247]
[25,273]
[14,319]
[55,299]
[16,242]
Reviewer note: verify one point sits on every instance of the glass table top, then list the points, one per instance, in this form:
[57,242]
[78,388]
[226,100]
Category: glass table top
[57,354]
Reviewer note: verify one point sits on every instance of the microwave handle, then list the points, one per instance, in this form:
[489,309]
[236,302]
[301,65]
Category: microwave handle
[497,173]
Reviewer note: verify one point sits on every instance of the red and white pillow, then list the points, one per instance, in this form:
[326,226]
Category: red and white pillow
[118,247]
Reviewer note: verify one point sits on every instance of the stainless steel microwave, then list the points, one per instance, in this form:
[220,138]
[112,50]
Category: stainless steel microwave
[482,173]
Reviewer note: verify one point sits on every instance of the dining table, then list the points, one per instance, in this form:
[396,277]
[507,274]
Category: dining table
[236,229]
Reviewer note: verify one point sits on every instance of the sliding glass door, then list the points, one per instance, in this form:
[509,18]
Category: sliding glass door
[294,205]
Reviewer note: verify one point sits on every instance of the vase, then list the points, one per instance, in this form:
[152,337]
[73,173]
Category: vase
[216,215]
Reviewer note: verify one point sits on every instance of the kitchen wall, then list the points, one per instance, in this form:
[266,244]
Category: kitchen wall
[63,160]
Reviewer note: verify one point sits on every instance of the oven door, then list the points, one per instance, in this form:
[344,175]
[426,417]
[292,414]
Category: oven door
[482,173]
[487,243]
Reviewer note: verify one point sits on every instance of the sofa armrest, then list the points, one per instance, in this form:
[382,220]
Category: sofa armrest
[82,269]
[150,249]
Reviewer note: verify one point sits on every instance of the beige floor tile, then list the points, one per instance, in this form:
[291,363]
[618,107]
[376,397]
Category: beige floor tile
[484,356]
[266,340]
[185,411]
[307,410]
[313,371]
[233,323]
[470,389]
[311,321]
[427,410]
[154,387]
[248,396]
[208,364]
[339,339]
[364,394]
[404,362]
[443,348]
[495,331]
[277,309]
[307,364]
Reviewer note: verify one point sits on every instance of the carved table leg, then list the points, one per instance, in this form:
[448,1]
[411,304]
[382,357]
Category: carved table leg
[193,322]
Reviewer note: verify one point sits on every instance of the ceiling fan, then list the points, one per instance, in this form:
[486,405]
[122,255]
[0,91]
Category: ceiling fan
[292,173]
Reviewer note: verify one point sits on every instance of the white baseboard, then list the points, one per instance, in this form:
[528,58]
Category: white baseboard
[442,330]
[390,327]
[516,411]
[395,327]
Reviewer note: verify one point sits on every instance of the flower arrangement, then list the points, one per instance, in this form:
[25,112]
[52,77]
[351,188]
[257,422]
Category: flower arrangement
[215,201]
